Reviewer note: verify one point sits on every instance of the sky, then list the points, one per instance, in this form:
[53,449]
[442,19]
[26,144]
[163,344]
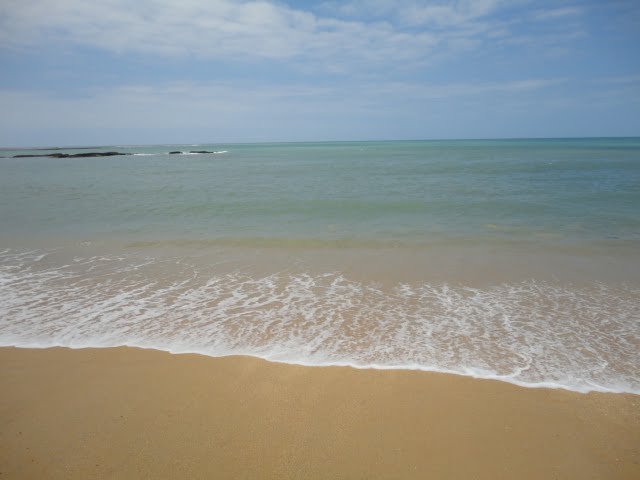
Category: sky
[109,72]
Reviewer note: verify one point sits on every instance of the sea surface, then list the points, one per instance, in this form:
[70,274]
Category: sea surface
[517,260]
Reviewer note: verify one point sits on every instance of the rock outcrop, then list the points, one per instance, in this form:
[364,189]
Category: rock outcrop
[73,155]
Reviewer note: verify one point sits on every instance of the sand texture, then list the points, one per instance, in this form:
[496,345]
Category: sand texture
[130,413]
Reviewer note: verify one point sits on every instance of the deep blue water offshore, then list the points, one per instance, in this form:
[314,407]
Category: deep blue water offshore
[508,259]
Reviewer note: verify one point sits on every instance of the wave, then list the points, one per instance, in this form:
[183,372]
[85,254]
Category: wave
[533,334]
[218,152]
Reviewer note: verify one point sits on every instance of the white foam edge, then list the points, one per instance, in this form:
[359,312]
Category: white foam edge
[465,372]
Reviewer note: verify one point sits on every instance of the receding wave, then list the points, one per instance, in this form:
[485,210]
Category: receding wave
[530,333]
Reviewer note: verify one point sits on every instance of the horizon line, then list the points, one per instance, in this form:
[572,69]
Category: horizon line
[273,142]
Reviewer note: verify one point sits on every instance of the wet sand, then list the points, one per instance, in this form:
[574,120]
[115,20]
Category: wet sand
[131,413]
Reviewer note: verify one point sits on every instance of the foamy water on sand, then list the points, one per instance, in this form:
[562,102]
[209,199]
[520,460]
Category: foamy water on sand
[530,333]
[509,259]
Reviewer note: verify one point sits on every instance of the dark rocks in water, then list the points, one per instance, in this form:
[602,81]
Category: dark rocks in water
[97,154]
[29,155]
[199,151]
[175,153]
[73,155]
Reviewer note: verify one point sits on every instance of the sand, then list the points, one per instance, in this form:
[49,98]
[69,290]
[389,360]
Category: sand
[131,413]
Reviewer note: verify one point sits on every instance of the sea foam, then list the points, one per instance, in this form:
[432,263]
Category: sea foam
[581,338]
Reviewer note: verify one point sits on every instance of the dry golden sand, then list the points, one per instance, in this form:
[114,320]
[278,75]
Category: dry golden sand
[129,413]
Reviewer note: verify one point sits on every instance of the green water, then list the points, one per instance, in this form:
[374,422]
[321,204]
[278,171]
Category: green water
[354,193]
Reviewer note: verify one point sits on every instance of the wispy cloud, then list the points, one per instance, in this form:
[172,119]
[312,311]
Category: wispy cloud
[411,12]
[557,13]
[217,104]
[448,14]
[328,38]
[275,69]
[211,29]
[621,79]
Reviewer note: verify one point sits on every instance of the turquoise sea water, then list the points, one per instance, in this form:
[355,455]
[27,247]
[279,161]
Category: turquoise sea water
[509,259]
[360,192]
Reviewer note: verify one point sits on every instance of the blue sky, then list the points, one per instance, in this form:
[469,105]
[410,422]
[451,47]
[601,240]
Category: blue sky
[76,72]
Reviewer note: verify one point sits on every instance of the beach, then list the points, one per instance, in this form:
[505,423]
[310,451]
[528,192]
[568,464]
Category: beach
[133,413]
[266,239]
[404,309]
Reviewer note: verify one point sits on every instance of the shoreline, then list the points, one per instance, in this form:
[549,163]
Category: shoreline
[533,333]
[373,367]
[135,413]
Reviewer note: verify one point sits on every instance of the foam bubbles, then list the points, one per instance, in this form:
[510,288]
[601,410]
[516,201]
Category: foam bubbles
[530,333]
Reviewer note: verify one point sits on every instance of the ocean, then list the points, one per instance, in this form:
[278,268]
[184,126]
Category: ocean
[515,260]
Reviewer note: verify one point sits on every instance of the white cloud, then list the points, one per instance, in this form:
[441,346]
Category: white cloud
[213,29]
[364,36]
[435,13]
[246,30]
[557,13]
[447,14]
